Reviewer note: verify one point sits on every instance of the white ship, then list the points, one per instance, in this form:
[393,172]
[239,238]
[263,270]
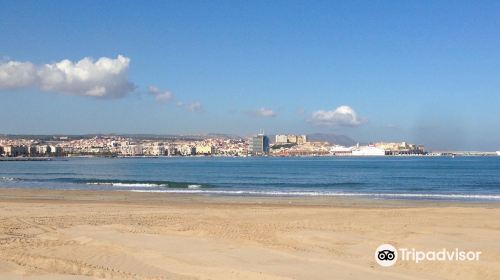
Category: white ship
[498,153]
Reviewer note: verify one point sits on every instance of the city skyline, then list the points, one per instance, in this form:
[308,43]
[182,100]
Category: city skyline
[423,72]
[285,145]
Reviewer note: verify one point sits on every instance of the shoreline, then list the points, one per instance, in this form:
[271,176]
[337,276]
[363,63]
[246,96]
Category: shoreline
[465,154]
[208,197]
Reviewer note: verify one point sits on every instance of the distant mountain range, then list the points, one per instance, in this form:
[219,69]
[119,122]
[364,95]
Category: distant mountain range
[127,135]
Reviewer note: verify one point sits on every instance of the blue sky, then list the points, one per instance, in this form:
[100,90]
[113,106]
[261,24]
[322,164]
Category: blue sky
[421,71]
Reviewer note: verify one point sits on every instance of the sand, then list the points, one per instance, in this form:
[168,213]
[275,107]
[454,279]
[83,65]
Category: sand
[121,235]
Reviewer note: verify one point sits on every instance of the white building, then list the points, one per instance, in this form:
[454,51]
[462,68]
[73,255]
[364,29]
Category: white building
[42,149]
[157,150]
[132,150]
[55,150]
[186,150]
[281,138]
[171,151]
[368,151]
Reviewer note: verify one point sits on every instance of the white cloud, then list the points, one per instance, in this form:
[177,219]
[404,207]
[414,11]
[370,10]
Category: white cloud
[194,107]
[341,116]
[15,74]
[104,78]
[160,96]
[264,113]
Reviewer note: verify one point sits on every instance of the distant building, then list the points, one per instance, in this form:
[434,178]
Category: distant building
[187,150]
[172,151]
[55,150]
[281,139]
[132,150]
[157,150]
[42,150]
[33,151]
[205,150]
[15,151]
[291,138]
[259,145]
[401,148]
[301,139]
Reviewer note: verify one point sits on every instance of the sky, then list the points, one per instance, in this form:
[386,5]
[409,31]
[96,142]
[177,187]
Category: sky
[425,72]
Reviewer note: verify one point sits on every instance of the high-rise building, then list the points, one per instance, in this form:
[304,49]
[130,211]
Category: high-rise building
[259,145]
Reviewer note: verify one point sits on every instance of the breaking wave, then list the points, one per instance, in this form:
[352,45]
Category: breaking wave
[145,184]
[8,179]
[334,194]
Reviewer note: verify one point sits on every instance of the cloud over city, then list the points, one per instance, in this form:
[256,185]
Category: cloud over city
[161,96]
[194,107]
[264,113]
[164,96]
[103,78]
[341,116]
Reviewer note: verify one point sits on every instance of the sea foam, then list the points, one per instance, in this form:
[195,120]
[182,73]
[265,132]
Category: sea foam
[332,194]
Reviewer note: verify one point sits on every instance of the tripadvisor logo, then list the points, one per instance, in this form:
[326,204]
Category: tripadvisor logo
[387,255]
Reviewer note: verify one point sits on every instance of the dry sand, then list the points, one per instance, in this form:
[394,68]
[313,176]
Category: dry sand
[119,235]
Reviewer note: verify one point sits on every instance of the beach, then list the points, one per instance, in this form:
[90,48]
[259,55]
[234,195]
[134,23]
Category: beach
[65,234]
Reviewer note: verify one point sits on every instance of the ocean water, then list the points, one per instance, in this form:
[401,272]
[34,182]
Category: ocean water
[460,178]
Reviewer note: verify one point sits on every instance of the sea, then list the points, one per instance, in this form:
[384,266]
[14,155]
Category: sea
[413,178]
